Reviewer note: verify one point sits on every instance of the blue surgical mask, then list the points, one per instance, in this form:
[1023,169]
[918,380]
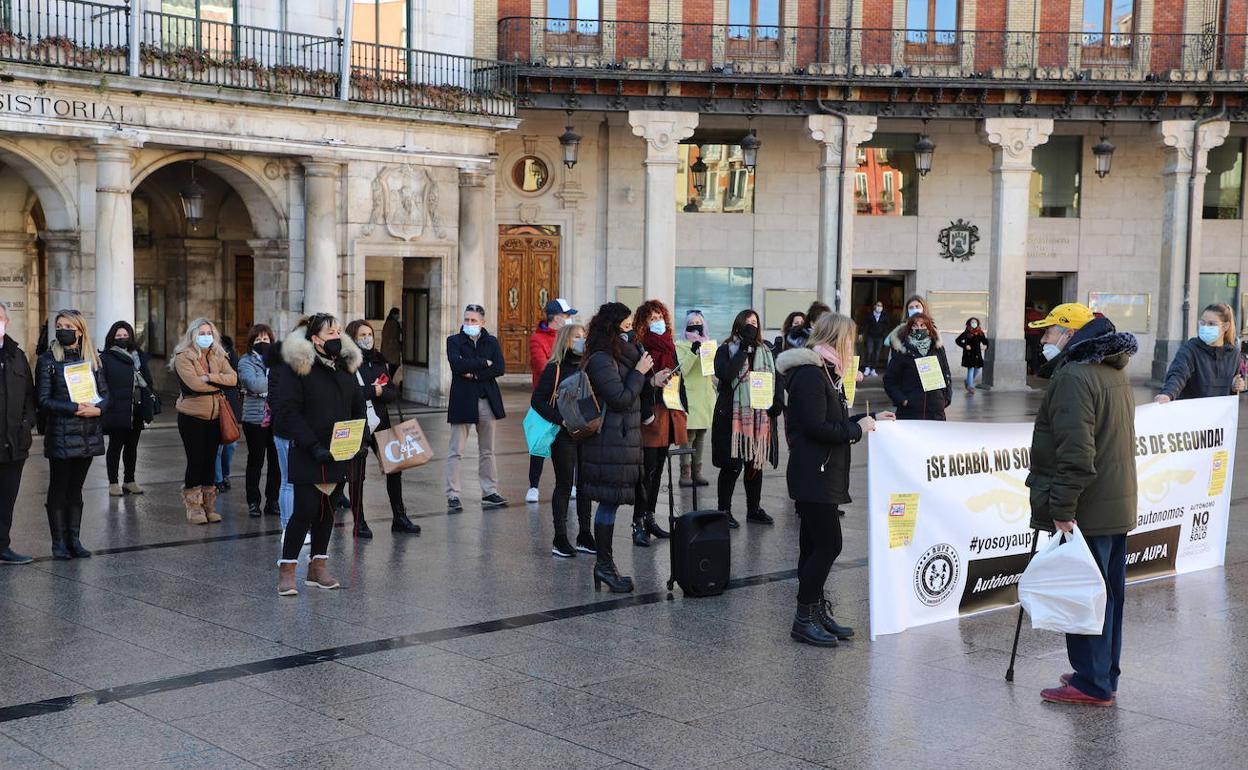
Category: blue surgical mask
[659,327]
[913,311]
[203,340]
[1209,334]
[974,324]
[472,330]
[1051,351]
[578,346]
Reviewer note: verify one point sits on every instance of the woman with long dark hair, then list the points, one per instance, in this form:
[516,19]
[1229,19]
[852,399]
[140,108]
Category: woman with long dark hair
[204,371]
[611,459]
[130,409]
[663,425]
[917,341]
[793,333]
[744,439]
[74,433]
[973,342]
[257,423]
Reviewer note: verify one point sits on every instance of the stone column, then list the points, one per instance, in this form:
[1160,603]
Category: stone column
[271,300]
[320,262]
[1176,308]
[64,253]
[663,132]
[837,227]
[1012,141]
[476,221]
[114,235]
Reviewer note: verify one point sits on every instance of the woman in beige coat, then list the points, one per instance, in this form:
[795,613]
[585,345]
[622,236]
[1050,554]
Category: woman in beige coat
[203,368]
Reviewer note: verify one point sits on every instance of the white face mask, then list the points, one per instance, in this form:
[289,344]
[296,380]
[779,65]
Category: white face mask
[365,343]
[914,311]
[974,324]
[1051,351]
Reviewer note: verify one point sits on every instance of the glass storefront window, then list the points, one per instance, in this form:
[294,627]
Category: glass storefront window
[1224,186]
[886,183]
[1056,181]
[719,292]
[725,186]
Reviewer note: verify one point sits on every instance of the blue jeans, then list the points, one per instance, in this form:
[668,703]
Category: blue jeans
[1096,658]
[225,457]
[286,493]
[972,373]
[606,514]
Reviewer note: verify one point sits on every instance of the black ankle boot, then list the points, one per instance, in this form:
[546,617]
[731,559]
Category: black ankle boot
[653,528]
[400,522]
[807,628]
[604,569]
[56,527]
[640,536]
[60,551]
[829,623]
[74,522]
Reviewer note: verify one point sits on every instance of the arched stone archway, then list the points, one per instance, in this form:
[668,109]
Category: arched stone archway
[268,212]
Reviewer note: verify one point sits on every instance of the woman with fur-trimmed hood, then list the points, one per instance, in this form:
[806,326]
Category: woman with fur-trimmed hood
[318,390]
[917,341]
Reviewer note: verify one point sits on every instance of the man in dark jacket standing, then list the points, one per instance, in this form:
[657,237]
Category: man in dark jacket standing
[1083,470]
[875,327]
[476,361]
[17,399]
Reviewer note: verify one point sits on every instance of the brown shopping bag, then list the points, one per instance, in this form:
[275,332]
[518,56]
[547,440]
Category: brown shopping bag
[402,446]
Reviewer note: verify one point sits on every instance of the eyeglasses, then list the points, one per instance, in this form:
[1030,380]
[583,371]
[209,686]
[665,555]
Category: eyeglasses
[474,309]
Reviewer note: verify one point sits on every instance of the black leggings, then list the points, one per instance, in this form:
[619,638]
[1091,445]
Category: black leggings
[535,470]
[356,472]
[654,459]
[818,546]
[728,483]
[200,439]
[565,455]
[312,511]
[123,447]
[260,446]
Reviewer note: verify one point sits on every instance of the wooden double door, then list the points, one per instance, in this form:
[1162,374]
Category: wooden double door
[528,278]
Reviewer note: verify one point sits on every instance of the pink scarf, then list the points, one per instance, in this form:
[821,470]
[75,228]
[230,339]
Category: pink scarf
[830,355]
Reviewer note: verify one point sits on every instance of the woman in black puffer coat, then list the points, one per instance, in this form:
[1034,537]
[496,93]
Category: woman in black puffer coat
[611,460]
[373,377]
[74,434]
[130,409]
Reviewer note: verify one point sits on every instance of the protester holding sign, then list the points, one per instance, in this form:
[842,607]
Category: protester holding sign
[1083,470]
[917,378]
[743,430]
[71,392]
[319,397]
[696,355]
[565,453]
[665,423]
[1208,364]
[611,458]
[379,391]
[820,433]
[203,369]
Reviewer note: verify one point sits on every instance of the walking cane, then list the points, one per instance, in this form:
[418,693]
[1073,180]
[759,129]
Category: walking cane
[1018,627]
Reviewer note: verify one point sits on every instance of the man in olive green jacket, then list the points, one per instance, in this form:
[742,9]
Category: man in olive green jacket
[1083,471]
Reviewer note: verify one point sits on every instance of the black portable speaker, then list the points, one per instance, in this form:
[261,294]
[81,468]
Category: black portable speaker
[701,552]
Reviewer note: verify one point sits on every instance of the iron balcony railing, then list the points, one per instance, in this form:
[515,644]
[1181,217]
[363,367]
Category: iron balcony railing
[95,36]
[867,53]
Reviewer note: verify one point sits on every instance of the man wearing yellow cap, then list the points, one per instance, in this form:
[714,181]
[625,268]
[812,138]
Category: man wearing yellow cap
[1083,472]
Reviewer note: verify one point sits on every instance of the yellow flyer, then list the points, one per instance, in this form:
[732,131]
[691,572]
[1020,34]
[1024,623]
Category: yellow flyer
[81,383]
[762,389]
[903,512]
[671,394]
[930,373]
[850,381]
[347,438]
[706,357]
[1217,477]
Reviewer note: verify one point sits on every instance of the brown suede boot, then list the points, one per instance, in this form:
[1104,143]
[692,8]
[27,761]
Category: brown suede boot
[286,579]
[210,504]
[697,476]
[318,575]
[193,499]
[686,478]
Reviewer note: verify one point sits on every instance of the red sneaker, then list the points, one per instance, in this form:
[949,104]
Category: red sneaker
[1070,696]
[1065,679]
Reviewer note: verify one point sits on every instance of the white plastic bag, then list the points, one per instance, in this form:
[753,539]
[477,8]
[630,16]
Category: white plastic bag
[1062,588]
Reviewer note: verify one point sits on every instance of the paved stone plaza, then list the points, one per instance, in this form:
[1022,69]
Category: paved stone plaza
[471,647]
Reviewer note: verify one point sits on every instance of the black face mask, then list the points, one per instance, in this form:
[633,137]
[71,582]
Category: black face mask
[67,337]
[333,348]
[627,336]
[125,343]
[749,333]
[695,329]
[261,348]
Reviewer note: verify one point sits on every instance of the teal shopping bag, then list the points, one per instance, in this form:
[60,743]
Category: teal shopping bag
[539,433]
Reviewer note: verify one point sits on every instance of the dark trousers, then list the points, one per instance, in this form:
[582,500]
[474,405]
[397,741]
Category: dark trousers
[259,447]
[535,470]
[1095,659]
[65,480]
[123,450]
[313,511]
[10,482]
[356,473]
[819,543]
[565,455]
[653,459]
[874,346]
[728,483]
[200,439]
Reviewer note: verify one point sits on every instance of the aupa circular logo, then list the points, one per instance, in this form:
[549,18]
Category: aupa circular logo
[936,574]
